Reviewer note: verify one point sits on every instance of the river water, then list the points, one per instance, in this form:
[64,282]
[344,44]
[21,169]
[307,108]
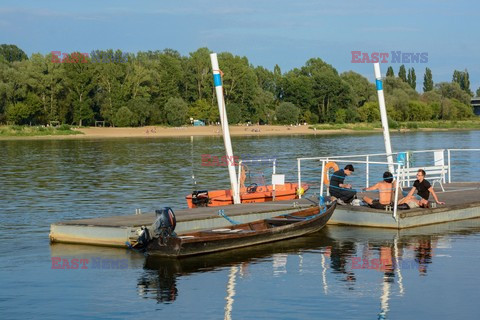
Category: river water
[340,272]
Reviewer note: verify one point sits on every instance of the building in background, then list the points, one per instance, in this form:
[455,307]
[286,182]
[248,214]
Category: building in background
[475,102]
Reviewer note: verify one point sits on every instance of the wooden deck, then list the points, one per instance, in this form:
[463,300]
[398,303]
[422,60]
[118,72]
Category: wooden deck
[462,202]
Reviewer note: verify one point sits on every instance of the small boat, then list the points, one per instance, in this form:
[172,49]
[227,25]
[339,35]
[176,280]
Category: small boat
[252,193]
[297,224]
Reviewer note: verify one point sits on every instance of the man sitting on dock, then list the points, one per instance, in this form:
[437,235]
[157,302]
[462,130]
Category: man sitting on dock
[340,190]
[424,188]
[385,189]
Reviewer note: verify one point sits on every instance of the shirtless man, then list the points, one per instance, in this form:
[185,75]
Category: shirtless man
[385,189]
[424,188]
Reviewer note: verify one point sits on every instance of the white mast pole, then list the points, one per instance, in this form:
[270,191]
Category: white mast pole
[217,81]
[383,115]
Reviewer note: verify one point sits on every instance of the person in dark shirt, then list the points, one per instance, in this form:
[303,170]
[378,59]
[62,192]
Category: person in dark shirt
[338,188]
[424,188]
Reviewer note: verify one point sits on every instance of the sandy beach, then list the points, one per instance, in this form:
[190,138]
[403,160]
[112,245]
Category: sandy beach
[212,131]
[156,131]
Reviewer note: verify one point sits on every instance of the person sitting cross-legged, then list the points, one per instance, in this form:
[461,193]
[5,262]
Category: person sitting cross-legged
[385,192]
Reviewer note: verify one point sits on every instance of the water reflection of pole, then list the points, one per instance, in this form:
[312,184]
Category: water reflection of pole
[230,292]
[397,265]
[386,289]
[385,297]
[324,275]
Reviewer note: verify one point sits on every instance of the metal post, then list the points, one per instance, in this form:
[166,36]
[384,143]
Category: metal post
[395,202]
[367,172]
[217,80]
[299,177]
[321,179]
[239,175]
[383,114]
[273,186]
[408,167]
[449,167]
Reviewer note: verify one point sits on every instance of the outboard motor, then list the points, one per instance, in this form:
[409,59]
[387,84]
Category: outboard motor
[164,224]
[200,198]
[143,238]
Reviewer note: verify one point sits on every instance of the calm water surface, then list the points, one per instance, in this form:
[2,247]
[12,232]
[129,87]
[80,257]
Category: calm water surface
[340,272]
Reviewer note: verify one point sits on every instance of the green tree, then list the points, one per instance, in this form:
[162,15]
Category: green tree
[390,72]
[329,91]
[143,111]
[287,113]
[203,110]
[25,112]
[198,75]
[112,89]
[79,82]
[298,89]
[265,79]
[466,83]
[478,92]
[277,80]
[369,112]
[341,116]
[176,110]
[463,111]
[463,80]
[264,105]
[19,113]
[452,90]
[239,81]
[124,117]
[412,78]
[166,78]
[427,80]
[363,89]
[234,113]
[402,73]
[11,53]
[419,111]
[431,96]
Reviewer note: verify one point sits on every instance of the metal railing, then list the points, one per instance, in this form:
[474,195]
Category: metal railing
[274,166]
[367,159]
[396,175]
[406,161]
[449,161]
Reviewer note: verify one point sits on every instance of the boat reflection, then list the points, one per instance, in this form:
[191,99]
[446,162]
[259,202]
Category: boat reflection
[161,273]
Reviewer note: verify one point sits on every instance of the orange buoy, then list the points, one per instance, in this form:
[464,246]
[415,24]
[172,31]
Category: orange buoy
[328,166]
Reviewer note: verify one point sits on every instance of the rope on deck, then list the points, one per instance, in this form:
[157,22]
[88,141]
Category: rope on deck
[221,212]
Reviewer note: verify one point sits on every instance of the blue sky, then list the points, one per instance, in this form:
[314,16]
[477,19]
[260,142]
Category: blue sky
[268,32]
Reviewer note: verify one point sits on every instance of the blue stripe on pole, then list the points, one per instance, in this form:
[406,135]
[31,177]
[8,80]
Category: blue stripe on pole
[217,80]
[379,84]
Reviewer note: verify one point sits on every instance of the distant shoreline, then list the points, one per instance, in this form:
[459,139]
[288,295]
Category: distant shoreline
[210,131]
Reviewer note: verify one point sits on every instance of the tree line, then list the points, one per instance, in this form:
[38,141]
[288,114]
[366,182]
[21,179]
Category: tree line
[166,88]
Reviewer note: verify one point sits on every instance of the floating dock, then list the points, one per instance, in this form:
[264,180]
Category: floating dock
[117,230]
[462,202]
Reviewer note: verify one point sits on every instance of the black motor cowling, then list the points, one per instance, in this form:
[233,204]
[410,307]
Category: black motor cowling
[200,198]
[164,224]
[143,238]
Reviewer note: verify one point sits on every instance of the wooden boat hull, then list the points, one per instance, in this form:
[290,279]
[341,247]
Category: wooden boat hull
[250,234]
[287,191]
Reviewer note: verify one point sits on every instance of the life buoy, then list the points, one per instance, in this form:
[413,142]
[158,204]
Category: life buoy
[328,166]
